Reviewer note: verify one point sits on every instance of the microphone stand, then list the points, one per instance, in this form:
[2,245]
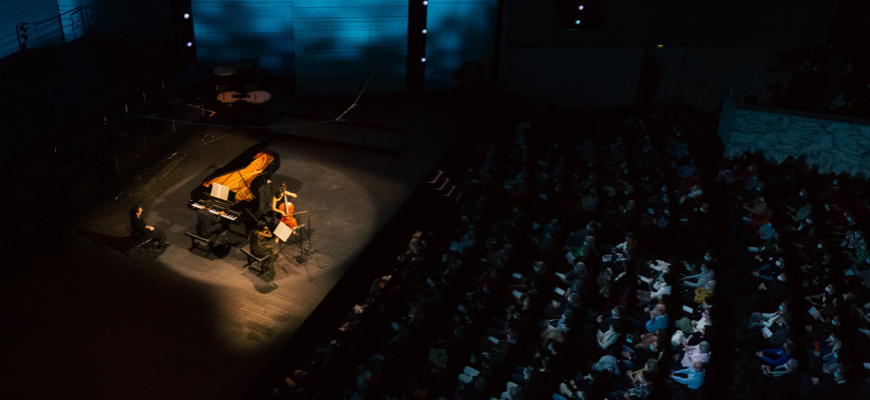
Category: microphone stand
[147,159]
[120,182]
[175,139]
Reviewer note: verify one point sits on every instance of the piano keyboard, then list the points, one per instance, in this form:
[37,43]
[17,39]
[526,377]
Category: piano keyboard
[228,214]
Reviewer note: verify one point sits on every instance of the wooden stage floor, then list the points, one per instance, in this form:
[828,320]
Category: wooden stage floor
[85,319]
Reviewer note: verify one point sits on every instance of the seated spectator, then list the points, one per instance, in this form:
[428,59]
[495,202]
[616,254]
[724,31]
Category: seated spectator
[831,362]
[700,279]
[766,320]
[608,338]
[694,376]
[781,379]
[587,249]
[689,326]
[642,387]
[607,363]
[778,356]
[768,272]
[789,367]
[768,295]
[575,278]
[832,386]
[628,245]
[658,319]
[699,352]
[466,242]
[705,294]
[604,279]
[658,290]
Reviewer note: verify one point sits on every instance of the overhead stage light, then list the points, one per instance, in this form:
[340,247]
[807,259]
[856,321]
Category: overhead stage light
[577,22]
[186,16]
[423,59]
[424,31]
[189,44]
[580,7]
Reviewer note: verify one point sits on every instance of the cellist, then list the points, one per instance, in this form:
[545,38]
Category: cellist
[282,207]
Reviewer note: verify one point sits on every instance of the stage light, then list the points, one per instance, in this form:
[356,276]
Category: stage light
[577,22]
[660,45]
[424,31]
[189,44]
[425,3]
[423,59]
[580,7]
[186,16]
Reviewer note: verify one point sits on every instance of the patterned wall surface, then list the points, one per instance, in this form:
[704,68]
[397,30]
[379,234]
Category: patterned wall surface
[458,31]
[835,145]
[227,31]
[341,44]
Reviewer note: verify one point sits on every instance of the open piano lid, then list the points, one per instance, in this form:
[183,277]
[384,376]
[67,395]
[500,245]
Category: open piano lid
[241,161]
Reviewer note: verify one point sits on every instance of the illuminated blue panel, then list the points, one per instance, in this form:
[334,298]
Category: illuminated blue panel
[72,20]
[13,12]
[227,31]
[341,44]
[457,31]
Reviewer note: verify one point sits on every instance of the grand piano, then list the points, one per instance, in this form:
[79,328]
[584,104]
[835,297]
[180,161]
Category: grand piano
[243,177]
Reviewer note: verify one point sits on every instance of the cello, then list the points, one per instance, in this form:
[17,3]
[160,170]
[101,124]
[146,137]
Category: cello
[287,208]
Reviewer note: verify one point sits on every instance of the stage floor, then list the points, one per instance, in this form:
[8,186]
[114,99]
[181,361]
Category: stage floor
[90,318]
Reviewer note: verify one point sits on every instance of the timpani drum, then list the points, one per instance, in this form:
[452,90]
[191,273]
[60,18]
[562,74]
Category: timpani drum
[229,97]
[224,78]
[260,101]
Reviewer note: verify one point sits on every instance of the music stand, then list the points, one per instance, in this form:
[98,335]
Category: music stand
[301,258]
[283,232]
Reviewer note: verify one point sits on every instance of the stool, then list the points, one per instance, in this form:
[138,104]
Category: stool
[261,261]
[196,241]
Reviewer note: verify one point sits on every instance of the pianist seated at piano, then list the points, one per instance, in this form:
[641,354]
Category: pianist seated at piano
[209,221]
[145,231]
[261,245]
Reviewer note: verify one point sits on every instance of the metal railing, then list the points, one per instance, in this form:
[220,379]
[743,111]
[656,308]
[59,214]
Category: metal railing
[54,31]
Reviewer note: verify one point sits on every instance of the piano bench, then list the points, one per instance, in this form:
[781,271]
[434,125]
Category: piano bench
[261,261]
[199,241]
